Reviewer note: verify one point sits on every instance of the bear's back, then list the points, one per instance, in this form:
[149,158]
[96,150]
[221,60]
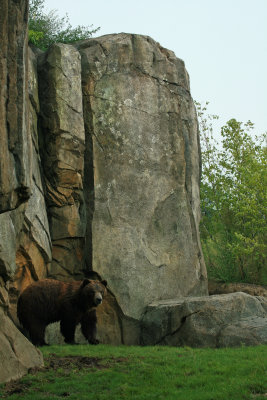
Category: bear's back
[45,298]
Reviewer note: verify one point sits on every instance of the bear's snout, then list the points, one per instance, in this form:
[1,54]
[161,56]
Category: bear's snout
[98,299]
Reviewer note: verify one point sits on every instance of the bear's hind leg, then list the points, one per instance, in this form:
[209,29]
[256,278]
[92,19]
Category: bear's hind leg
[67,328]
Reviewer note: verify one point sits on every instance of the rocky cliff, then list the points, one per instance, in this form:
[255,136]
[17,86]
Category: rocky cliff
[100,169]
[120,155]
[18,222]
[99,177]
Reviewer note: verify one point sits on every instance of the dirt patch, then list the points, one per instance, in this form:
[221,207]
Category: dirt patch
[14,387]
[63,364]
[71,362]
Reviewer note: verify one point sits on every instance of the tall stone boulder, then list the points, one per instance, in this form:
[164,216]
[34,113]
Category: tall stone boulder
[142,144]
[15,140]
[17,354]
[62,143]
[33,249]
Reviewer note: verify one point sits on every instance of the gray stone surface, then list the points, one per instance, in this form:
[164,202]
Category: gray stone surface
[142,137]
[7,245]
[28,242]
[17,354]
[15,141]
[62,143]
[214,321]
[36,222]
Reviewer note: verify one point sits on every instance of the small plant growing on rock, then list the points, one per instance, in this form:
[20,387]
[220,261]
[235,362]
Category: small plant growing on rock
[48,28]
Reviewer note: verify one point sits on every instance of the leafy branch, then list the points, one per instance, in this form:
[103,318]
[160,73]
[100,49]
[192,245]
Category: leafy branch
[48,28]
[233,200]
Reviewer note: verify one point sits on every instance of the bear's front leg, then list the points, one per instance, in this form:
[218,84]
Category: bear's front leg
[67,328]
[88,326]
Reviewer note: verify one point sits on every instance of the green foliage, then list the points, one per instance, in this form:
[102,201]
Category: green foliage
[151,373]
[48,28]
[234,201]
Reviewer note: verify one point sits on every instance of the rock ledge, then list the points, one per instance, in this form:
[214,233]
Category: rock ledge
[210,321]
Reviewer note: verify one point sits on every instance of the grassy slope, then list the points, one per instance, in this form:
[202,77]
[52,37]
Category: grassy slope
[153,373]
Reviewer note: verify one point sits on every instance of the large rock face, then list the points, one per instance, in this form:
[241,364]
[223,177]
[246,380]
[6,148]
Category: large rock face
[145,153]
[18,235]
[99,176]
[15,142]
[17,354]
[32,255]
[215,321]
[62,143]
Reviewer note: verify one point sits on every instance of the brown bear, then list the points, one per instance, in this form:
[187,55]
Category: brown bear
[49,300]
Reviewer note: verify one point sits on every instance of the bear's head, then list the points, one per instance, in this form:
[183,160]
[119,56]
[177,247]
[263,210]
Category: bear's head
[92,292]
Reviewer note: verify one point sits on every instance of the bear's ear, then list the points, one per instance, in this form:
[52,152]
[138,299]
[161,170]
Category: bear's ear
[104,283]
[84,283]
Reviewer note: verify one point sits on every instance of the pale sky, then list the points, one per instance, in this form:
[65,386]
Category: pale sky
[223,44]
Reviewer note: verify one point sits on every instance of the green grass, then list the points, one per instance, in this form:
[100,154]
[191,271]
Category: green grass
[150,373]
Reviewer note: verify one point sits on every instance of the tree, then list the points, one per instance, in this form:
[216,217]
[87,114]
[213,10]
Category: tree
[45,29]
[234,201]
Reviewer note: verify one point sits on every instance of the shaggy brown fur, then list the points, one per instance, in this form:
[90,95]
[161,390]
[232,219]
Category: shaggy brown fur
[48,300]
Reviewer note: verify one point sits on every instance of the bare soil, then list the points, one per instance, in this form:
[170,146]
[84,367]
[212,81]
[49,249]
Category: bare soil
[65,364]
